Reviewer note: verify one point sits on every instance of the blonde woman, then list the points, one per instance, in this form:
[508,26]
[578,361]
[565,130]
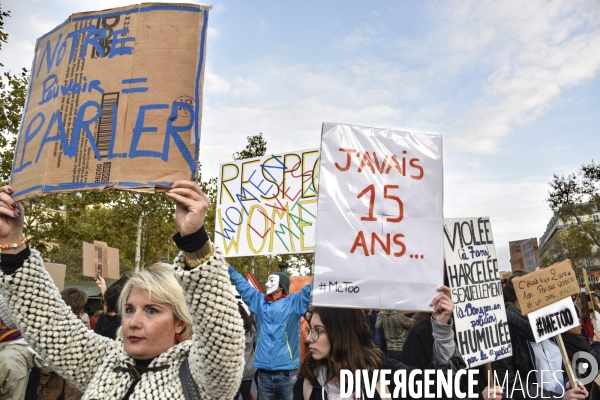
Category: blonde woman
[182,335]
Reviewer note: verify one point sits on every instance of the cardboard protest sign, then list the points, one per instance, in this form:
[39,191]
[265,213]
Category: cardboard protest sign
[268,205]
[529,257]
[547,286]
[298,282]
[479,314]
[114,101]
[379,228]
[517,262]
[99,259]
[57,273]
[553,319]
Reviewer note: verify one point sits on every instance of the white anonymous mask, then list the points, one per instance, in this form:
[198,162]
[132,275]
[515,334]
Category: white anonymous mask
[272,283]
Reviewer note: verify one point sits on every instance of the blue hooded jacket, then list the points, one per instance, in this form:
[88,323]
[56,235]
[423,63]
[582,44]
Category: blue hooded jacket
[277,323]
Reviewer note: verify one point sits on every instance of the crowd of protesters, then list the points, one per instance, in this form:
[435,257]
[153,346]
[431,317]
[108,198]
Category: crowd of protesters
[179,332]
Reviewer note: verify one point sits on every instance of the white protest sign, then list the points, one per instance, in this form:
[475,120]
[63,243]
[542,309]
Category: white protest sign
[528,252]
[268,205]
[114,102]
[479,314]
[553,319]
[379,227]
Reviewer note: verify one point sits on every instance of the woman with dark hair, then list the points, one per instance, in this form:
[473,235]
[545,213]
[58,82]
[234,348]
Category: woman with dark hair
[109,321]
[542,359]
[76,299]
[249,370]
[340,339]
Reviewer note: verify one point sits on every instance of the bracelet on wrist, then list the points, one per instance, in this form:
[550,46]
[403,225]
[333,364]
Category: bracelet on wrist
[13,246]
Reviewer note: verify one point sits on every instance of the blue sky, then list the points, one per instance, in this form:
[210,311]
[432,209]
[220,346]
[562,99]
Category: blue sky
[513,86]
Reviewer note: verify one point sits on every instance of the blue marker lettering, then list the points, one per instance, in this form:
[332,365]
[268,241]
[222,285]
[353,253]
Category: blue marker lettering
[140,128]
[62,135]
[28,137]
[80,124]
[173,132]
[122,49]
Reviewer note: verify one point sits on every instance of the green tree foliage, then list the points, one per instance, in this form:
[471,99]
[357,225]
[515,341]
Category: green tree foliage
[13,88]
[256,147]
[575,198]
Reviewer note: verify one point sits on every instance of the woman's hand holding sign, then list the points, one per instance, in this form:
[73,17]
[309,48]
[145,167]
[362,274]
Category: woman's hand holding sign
[442,305]
[11,222]
[191,208]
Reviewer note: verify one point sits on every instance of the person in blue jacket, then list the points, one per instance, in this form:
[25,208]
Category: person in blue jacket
[277,317]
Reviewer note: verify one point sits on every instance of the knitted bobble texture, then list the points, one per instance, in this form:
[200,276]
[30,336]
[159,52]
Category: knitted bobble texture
[98,365]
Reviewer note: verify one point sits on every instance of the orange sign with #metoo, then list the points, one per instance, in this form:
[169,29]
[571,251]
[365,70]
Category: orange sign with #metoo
[379,226]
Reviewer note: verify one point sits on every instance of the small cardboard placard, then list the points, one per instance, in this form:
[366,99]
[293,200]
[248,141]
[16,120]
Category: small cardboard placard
[57,273]
[553,319]
[529,258]
[547,286]
[114,102]
[298,282]
[99,259]
[480,319]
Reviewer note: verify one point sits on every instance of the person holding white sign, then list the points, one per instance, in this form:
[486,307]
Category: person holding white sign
[340,340]
[535,370]
[182,334]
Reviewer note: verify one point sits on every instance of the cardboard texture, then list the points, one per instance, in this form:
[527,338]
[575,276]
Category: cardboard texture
[99,259]
[114,102]
[474,279]
[547,286]
[298,282]
[268,205]
[516,256]
[529,256]
[57,273]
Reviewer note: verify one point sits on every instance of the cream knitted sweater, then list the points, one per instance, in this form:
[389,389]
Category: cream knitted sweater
[98,365]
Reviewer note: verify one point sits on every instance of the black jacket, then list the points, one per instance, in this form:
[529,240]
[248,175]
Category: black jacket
[522,361]
[579,343]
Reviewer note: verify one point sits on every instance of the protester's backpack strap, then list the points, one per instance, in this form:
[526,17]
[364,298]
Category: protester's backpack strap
[190,388]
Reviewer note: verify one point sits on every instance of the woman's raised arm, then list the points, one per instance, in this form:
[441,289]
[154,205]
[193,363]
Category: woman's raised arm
[37,307]
[217,356]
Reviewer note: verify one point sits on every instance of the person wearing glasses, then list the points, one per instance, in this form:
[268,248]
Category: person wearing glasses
[340,339]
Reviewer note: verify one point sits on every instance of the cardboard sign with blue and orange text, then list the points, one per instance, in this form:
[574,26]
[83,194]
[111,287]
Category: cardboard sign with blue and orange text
[480,321]
[114,101]
[379,223]
[268,205]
